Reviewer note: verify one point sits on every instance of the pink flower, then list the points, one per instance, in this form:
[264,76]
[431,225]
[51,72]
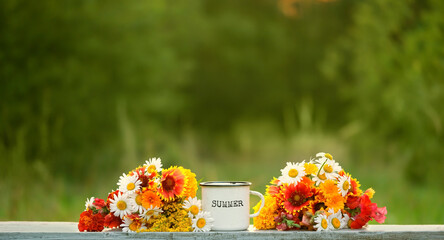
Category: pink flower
[379,214]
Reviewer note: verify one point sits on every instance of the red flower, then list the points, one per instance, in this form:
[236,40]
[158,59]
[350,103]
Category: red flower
[172,183]
[91,222]
[296,197]
[369,210]
[143,177]
[112,221]
[353,202]
[99,203]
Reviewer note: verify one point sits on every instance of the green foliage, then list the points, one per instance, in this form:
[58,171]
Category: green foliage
[89,89]
[390,66]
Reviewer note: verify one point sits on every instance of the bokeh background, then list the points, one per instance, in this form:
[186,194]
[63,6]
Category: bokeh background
[230,89]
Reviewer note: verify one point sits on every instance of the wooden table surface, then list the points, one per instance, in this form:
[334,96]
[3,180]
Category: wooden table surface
[68,230]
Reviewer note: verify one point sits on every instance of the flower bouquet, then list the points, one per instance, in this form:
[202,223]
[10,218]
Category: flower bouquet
[317,195]
[149,199]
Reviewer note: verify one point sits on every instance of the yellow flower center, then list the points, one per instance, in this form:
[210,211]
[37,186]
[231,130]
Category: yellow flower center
[201,222]
[194,210]
[336,223]
[328,168]
[322,176]
[150,212]
[133,226]
[324,223]
[151,168]
[329,156]
[293,173]
[139,199]
[346,185]
[130,186]
[121,205]
[296,197]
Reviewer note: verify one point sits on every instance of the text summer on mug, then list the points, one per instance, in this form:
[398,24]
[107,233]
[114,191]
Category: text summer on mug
[227,204]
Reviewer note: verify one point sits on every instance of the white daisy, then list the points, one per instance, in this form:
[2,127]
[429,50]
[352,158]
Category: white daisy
[292,173]
[319,178]
[89,203]
[129,183]
[202,222]
[344,222]
[335,219]
[344,185]
[193,205]
[322,223]
[324,155]
[329,168]
[135,200]
[132,225]
[153,165]
[152,211]
[120,205]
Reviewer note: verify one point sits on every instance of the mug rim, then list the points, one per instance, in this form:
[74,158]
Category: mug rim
[225,183]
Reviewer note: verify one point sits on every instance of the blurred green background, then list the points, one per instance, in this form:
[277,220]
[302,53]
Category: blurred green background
[230,89]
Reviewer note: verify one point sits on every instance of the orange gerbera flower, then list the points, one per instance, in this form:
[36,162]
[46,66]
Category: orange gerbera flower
[297,196]
[191,183]
[172,183]
[150,199]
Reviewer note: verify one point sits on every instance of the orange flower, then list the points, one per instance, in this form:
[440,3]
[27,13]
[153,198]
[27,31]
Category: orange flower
[331,196]
[355,190]
[150,199]
[91,222]
[328,188]
[191,183]
[335,202]
[172,183]
[272,190]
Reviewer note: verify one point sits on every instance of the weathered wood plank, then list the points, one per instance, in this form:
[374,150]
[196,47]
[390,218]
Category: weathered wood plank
[68,230]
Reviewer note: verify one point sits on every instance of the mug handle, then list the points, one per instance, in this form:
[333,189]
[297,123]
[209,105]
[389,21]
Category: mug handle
[262,203]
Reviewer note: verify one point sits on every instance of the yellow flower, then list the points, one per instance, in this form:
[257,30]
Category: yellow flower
[191,183]
[173,219]
[265,220]
[370,192]
[310,168]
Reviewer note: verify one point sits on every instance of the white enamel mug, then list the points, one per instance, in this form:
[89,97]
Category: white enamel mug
[229,204]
